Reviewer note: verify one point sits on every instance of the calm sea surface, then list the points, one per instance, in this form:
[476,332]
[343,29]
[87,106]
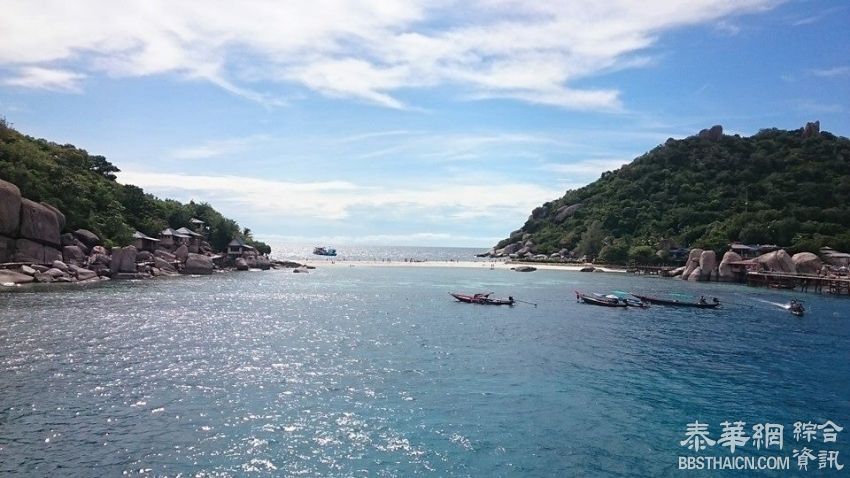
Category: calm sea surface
[359,371]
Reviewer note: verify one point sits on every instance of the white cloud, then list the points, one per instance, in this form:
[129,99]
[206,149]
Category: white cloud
[412,239]
[45,79]
[216,148]
[834,72]
[332,200]
[369,50]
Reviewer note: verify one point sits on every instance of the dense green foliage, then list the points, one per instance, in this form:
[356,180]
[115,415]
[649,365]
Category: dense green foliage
[775,187]
[83,187]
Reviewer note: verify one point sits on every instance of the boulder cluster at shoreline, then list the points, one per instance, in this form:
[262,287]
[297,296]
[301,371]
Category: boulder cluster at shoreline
[34,250]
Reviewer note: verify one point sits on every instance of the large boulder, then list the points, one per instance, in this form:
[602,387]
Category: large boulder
[163,265]
[144,257]
[10,208]
[7,249]
[777,261]
[29,251]
[806,263]
[51,254]
[163,254]
[712,134]
[87,237]
[264,263]
[56,273]
[512,248]
[198,264]
[811,129]
[59,216]
[100,259]
[123,259]
[60,265]
[39,223]
[724,270]
[241,264]
[69,239]
[692,263]
[564,212]
[12,277]
[73,255]
[182,253]
[707,264]
[695,275]
[82,273]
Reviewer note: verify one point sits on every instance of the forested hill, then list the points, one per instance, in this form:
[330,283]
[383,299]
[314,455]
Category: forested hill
[83,187]
[790,188]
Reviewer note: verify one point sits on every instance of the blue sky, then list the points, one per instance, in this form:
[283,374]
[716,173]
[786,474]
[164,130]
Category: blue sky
[407,122]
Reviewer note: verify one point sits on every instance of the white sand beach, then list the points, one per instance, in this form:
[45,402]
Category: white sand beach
[460,264]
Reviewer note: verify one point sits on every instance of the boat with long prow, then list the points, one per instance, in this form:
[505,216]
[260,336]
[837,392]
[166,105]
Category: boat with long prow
[483,299]
[700,304]
[596,299]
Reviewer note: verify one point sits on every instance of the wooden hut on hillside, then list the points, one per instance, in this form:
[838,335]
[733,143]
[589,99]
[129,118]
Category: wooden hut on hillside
[194,239]
[237,247]
[144,242]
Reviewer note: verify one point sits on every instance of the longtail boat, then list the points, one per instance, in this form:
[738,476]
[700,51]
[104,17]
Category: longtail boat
[596,299]
[483,299]
[796,308]
[678,303]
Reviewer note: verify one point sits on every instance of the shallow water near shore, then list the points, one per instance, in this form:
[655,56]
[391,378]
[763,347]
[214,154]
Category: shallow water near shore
[367,371]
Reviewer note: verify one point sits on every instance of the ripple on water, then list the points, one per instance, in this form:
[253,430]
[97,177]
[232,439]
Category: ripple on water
[360,372]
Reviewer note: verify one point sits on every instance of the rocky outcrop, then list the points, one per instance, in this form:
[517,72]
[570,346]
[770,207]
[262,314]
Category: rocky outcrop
[59,216]
[12,277]
[777,261]
[692,263]
[87,237]
[73,255]
[7,249]
[540,212]
[712,134]
[695,275]
[708,265]
[144,256]
[35,253]
[724,270]
[182,253]
[198,264]
[811,129]
[165,255]
[241,264]
[82,273]
[566,211]
[10,209]
[164,265]
[263,263]
[807,263]
[123,259]
[69,239]
[40,223]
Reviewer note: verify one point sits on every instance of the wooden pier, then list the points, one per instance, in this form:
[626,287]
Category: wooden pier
[803,283]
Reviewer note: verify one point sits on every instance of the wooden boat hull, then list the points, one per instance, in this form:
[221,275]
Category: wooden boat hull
[676,303]
[469,299]
[589,299]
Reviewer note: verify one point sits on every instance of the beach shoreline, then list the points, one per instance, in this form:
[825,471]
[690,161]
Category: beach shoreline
[489,265]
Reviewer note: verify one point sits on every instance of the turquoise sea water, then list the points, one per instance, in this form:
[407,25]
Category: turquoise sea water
[359,371]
